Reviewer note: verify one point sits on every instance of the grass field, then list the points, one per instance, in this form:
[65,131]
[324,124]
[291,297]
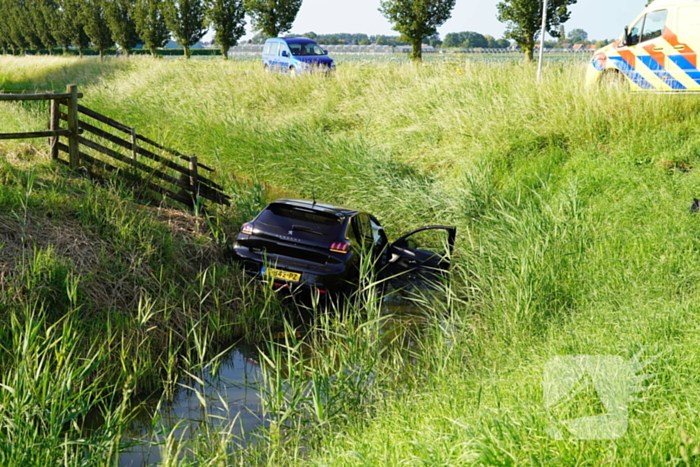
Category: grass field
[574,239]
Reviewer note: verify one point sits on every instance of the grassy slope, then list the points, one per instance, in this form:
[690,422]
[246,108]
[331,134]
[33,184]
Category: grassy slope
[100,295]
[574,233]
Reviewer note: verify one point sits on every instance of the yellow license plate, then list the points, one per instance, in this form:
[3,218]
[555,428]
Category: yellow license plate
[280,274]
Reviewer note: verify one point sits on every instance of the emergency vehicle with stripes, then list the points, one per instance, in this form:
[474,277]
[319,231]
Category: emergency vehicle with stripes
[658,52]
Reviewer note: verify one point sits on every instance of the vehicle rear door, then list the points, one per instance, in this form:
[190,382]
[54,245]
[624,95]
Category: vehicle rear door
[426,250]
[272,57]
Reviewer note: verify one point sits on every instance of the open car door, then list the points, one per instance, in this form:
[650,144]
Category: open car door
[425,251]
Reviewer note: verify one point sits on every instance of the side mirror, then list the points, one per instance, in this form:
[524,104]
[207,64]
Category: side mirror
[325,52]
[285,53]
[626,36]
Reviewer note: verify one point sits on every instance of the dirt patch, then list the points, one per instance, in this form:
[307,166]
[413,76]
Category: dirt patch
[87,255]
[670,166]
[19,236]
[21,155]
[190,231]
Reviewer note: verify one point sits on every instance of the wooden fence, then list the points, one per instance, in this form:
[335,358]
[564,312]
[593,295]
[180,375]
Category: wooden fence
[91,143]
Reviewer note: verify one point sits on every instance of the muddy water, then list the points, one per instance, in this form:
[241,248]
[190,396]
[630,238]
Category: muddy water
[226,399]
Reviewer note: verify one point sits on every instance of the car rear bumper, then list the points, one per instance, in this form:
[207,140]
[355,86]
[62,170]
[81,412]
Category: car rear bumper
[311,275]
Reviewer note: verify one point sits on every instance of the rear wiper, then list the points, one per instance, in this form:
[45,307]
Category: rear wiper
[303,228]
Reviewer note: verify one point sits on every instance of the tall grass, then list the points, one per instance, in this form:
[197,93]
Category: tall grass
[574,239]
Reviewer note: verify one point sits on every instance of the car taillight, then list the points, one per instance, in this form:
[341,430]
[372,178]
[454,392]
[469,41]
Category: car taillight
[247,229]
[340,247]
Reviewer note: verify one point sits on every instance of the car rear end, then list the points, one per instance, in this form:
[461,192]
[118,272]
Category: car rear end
[296,246]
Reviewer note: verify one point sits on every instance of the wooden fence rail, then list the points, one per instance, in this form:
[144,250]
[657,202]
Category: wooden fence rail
[108,152]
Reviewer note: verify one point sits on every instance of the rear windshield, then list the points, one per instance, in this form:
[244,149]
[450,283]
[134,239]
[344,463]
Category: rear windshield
[298,222]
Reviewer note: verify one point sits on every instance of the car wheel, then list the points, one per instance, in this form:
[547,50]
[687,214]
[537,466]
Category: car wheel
[266,69]
[613,80]
[293,72]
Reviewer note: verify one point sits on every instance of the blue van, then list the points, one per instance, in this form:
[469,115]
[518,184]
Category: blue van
[296,56]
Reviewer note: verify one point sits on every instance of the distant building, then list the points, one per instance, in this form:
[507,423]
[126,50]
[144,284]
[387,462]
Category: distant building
[426,49]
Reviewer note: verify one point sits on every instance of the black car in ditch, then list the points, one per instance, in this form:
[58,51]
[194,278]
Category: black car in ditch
[306,244]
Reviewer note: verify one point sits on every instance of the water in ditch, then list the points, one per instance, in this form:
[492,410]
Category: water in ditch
[225,399]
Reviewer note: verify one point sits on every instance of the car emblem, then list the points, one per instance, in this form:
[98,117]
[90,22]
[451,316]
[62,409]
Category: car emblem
[291,232]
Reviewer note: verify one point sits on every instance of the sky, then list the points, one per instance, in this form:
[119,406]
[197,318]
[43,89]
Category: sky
[601,19]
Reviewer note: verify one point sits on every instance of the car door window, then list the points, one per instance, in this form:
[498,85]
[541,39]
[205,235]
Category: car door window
[363,232]
[378,235]
[654,25]
[380,241]
[635,32]
[295,49]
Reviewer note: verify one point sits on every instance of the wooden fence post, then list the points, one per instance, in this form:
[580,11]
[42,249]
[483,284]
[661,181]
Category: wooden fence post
[194,182]
[73,145]
[134,145]
[54,125]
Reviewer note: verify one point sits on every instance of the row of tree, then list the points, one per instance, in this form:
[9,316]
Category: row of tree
[470,39]
[44,24]
[100,24]
[344,38]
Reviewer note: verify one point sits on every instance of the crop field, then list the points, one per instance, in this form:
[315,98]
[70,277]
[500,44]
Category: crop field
[575,244]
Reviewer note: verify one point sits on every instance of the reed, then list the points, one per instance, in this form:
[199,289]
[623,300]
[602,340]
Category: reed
[574,239]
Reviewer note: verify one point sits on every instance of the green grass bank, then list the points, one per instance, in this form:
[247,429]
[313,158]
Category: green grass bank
[574,239]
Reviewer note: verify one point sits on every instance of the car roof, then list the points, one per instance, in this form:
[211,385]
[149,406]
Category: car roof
[321,207]
[299,40]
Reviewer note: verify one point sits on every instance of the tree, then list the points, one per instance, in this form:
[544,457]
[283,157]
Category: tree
[467,39]
[503,43]
[577,36]
[43,12]
[475,40]
[68,28]
[523,20]
[227,19]
[25,17]
[417,20]
[60,26]
[94,18]
[272,17]
[185,19]
[120,18]
[15,16]
[150,24]
[434,40]
[6,43]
